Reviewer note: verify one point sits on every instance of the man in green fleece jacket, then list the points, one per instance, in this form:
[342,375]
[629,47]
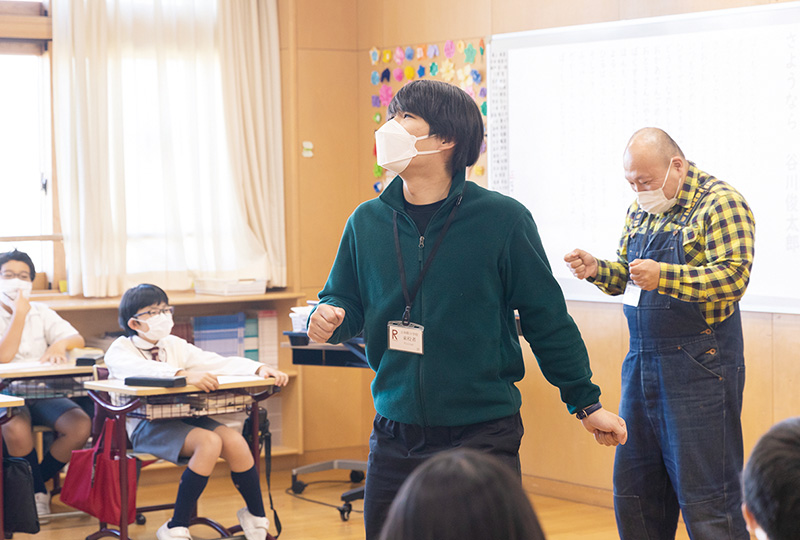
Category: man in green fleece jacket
[431,273]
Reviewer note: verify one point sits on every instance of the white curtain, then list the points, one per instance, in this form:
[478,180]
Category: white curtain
[250,53]
[147,186]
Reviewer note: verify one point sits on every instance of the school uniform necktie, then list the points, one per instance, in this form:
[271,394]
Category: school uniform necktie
[154,353]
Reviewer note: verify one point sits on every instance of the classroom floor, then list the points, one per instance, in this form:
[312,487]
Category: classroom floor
[302,520]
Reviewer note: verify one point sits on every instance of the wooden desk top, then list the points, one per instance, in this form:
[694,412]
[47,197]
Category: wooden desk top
[11,401]
[22,370]
[65,303]
[227,382]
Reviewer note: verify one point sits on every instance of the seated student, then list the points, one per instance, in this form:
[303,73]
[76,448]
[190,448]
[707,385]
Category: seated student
[771,484]
[148,349]
[33,332]
[462,494]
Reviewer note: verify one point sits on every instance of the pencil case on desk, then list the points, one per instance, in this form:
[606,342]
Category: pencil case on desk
[163,382]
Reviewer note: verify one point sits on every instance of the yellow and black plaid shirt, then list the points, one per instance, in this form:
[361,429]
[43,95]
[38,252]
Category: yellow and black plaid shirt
[717,240]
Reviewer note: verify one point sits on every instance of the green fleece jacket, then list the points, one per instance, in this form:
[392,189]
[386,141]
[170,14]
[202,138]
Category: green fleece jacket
[490,263]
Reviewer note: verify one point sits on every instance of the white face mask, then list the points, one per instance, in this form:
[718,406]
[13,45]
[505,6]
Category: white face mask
[654,201]
[158,327]
[396,147]
[9,289]
[760,534]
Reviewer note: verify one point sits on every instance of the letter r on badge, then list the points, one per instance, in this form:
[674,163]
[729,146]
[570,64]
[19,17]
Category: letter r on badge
[394,334]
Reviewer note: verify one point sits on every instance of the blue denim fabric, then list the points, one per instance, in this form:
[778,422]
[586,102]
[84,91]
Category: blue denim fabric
[396,449]
[682,384]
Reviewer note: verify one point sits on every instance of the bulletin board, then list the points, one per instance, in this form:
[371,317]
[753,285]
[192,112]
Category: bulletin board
[461,62]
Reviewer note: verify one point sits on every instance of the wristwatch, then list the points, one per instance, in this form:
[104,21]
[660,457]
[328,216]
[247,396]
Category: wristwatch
[583,413]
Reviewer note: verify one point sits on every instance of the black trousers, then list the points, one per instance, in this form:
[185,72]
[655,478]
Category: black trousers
[396,449]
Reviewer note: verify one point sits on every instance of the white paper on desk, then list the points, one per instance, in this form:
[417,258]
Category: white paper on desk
[227,379]
[25,366]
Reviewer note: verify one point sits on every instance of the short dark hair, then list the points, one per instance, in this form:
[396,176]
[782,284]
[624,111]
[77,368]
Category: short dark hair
[450,113]
[771,481]
[137,298]
[20,256]
[462,494]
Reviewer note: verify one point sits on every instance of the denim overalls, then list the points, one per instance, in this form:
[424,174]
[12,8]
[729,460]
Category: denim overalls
[682,384]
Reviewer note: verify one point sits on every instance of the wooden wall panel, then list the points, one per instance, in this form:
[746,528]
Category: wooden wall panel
[556,446]
[786,366]
[521,15]
[327,82]
[328,25]
[338,400]
[370,24]
[757,409]
[287,23]
[421,21]
[635,9]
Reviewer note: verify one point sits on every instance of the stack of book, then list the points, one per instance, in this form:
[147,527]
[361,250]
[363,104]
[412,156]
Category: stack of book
[222,334]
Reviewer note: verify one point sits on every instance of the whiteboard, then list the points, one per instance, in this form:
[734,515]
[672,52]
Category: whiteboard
[725,85]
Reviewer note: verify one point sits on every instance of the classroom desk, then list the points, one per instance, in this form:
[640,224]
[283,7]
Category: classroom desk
[351,353]
[6,402]
[144,401]
[34,380]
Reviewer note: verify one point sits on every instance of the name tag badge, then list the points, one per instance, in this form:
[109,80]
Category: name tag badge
[405,338]
[632,294]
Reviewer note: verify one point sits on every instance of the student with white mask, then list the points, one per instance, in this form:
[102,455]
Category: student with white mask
[431,272]
[32,332]
[148,349]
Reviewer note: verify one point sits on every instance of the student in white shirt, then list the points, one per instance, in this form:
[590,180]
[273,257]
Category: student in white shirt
[148,349]
[32,332]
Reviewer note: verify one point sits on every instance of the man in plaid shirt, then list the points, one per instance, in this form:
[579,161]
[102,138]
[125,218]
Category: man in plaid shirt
[683,265]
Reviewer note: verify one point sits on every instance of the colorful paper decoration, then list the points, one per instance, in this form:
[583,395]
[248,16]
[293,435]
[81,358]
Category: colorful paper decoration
[476,76]
[433,50]
[377,186]
[482,93]
[375,78]
[410,73]
[460,46]
[374,55]
[448,71]
[469,54]
[377,171]
[421,71]
[376,101]
[434,69]
[386,95]
[377,116]
[449,48]
[386,75]
[409,53]
[482,47]
[398,74]
[478,170]
[468,89]
[399,55]
[463,74]
[387,56]
[483,108]
[420,52]
[483,147]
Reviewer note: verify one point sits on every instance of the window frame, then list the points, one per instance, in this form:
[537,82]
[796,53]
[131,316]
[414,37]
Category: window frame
[26,28]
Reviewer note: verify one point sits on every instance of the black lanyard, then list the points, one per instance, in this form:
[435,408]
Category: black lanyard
[409,297]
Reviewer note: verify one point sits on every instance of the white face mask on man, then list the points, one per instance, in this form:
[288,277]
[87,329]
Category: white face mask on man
[396,147]
[158,327]
[654,201]
[10,288]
